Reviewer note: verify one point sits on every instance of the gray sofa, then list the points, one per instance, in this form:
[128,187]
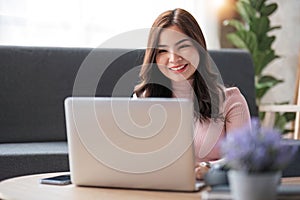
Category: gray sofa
[34,82]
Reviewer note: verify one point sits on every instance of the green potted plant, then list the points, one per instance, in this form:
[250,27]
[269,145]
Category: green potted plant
[255,157]
[253,34]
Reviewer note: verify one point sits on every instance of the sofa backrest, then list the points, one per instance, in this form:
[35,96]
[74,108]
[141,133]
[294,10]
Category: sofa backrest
[34,82]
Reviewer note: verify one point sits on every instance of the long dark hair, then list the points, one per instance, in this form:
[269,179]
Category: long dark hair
[209,93]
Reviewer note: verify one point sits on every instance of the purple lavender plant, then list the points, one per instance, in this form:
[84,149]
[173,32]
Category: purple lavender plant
[257,149]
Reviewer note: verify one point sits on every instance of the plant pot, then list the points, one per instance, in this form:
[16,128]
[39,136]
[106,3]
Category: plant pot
[254,186]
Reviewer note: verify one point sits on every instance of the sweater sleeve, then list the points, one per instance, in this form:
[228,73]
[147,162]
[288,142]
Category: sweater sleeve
[236,110]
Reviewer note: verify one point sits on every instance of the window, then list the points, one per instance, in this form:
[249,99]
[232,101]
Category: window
[84,23]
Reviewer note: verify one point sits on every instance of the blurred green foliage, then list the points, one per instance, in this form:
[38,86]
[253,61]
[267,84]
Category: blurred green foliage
[253,34]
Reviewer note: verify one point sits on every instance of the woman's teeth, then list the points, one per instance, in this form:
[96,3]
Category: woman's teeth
[177,68]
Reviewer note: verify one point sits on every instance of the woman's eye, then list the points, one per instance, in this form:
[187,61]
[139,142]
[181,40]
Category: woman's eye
[184,46]
[162,51]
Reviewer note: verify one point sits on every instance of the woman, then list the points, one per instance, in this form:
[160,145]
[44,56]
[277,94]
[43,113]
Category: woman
[176,64]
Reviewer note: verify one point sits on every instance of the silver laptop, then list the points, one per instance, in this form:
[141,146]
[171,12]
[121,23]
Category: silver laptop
[131,143]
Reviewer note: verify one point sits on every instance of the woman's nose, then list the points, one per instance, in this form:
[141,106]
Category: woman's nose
[173,57]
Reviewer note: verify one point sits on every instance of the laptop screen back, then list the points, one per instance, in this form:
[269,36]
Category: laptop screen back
[131,143]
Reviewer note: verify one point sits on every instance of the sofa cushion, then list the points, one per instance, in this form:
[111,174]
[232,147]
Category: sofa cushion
[29,158]
[35,81]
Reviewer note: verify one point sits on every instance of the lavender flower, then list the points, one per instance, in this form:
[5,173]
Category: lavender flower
[256,149]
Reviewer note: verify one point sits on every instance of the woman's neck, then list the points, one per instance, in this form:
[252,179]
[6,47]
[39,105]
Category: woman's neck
[183,89]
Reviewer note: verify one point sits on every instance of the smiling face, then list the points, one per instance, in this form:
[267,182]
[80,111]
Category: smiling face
[177,58]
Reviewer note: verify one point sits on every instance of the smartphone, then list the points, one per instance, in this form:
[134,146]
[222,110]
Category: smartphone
[57,180]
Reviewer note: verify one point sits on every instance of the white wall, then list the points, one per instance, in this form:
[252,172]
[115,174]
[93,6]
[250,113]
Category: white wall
[287,45]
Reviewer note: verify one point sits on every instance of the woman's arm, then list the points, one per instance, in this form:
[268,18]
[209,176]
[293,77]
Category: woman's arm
[237,115]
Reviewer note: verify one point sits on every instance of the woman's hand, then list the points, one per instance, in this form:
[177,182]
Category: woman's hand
[201,169]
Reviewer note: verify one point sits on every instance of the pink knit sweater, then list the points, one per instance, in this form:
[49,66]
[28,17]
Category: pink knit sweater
[208,134]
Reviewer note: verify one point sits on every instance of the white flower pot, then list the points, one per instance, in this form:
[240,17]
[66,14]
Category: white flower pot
[253,186]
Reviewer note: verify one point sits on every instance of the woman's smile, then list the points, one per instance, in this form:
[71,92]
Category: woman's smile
[179,68]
